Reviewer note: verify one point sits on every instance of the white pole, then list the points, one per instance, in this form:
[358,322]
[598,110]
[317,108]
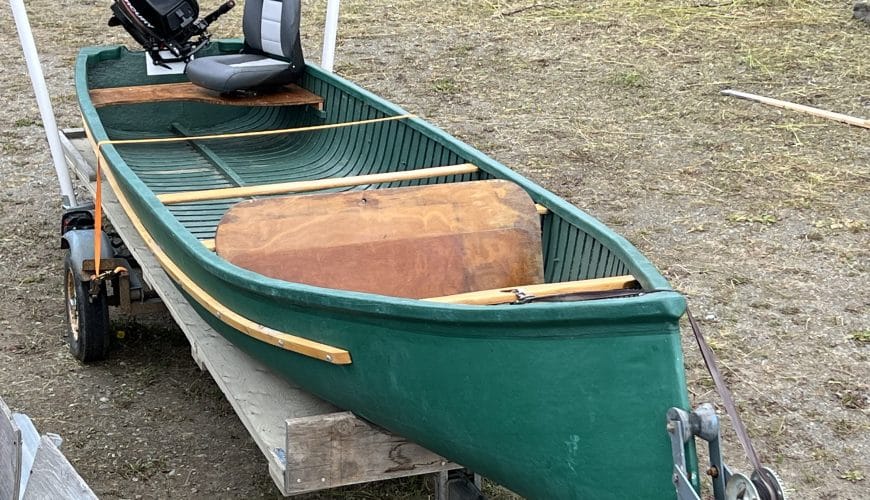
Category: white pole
[28,46]
[329,32]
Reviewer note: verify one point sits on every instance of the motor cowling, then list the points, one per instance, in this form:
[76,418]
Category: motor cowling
[166,25]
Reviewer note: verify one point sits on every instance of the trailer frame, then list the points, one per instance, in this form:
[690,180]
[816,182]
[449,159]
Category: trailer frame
[309,444]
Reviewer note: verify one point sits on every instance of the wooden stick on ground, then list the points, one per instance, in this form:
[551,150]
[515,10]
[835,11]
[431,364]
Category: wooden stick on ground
[801,108]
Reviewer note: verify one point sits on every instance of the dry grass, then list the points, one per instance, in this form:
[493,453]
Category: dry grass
[759,215]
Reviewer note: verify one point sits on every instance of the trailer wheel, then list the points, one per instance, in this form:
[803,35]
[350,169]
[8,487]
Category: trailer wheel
[87,317]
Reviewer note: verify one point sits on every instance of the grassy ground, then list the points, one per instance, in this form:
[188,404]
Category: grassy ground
[759,215]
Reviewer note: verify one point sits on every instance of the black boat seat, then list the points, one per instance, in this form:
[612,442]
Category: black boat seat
[272,55]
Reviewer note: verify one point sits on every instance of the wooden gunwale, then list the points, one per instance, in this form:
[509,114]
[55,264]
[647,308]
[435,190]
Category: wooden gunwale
[289,342]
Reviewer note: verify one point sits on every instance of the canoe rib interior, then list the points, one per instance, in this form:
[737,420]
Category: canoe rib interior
[568,252]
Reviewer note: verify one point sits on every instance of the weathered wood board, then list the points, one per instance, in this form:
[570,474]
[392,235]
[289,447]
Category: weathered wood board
[290,95]
[339,449]
[52,476]
[414,242]
[10,455]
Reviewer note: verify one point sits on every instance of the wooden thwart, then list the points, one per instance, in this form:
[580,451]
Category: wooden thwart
[411,242]
[290,95]
[315,185]
[507,295]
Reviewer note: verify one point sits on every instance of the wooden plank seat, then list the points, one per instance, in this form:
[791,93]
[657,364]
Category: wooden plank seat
[414,242]
[288,95]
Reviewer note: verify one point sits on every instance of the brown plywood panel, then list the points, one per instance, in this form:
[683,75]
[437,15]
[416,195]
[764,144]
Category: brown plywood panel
[414,242]
[289,95]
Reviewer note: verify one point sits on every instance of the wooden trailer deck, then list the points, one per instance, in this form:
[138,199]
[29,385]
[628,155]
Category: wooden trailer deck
[309,444]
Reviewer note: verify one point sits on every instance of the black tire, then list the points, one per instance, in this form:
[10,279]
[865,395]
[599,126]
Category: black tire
[87,317]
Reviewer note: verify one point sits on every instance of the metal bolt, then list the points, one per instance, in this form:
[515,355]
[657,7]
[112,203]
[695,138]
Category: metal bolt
[329,357]
[713,471]
[675,478]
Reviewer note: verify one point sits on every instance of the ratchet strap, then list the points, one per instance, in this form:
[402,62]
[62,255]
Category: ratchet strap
[98,216]
[730,408]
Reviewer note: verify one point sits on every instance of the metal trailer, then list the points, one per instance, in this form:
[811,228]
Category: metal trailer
[309,444]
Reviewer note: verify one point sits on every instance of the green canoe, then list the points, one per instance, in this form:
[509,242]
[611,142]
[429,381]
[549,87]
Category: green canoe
[552,399]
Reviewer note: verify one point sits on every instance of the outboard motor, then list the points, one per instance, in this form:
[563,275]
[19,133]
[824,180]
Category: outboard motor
[166,25]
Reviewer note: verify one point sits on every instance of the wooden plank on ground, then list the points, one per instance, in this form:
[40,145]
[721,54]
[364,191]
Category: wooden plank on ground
[52,476]
[340,449]
[289,95]
[10,455]
[412,242]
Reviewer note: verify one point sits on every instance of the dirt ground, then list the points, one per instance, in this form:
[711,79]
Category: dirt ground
[759,215]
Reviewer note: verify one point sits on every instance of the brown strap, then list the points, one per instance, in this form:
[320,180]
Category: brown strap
[728,401]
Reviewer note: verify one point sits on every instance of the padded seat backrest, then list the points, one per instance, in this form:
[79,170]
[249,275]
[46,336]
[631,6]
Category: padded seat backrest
[414,242]
[272,55]
[272,27]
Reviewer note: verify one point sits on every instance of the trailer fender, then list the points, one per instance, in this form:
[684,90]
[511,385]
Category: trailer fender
[80,243]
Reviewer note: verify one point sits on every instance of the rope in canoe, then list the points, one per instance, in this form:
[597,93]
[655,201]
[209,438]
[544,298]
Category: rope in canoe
[98,192]
[255,133]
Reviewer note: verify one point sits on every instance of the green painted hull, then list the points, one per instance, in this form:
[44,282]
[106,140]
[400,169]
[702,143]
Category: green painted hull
[552,400]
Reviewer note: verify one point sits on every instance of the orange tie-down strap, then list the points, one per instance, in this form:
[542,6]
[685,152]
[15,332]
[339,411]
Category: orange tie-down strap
[98,192]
